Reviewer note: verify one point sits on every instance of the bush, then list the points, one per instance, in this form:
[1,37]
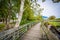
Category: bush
[57,24]
[46,23]
[2,25]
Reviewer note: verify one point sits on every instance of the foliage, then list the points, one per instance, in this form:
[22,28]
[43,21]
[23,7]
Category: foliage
[51,17]
[9,9]
[2,26]
[43,0]
[56,1]
[57,19]
[28,14]
[57,24]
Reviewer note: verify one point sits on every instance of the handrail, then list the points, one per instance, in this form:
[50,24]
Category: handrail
[49,34]
[11,34]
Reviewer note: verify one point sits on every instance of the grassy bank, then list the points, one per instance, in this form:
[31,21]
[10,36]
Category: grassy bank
[57,24]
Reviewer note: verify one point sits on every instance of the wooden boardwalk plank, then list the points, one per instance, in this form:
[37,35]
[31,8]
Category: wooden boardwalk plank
[33,33]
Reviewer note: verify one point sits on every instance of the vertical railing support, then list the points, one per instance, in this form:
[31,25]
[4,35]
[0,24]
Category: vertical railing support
[15,33]
[14,36]
[29,26]
[18,34]
[26,28]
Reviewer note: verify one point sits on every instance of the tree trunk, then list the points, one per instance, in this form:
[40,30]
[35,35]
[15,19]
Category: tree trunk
[9,15]
[20,13]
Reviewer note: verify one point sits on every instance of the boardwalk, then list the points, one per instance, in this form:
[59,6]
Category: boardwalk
[37,32]
[33,33]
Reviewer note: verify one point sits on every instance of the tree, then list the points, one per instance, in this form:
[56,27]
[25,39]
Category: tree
[5,10]
[51,17]
[20,13]
[56,1]
[43,0]
[8,10]
[28,14]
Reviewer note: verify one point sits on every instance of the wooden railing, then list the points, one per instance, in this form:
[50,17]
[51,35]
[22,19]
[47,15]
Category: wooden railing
[48,34]
[16,33]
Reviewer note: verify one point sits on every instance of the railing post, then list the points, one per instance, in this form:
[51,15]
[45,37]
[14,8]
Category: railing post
[18,32]
[26,28]
[15,32]
[14,36]
[29,26]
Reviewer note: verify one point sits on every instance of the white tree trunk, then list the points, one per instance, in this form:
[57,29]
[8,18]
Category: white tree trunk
[20,13]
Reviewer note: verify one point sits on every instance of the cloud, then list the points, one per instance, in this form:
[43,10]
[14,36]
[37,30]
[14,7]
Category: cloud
[50,8]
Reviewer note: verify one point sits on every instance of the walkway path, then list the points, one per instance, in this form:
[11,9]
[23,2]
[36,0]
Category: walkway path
[33,33]
[39,33]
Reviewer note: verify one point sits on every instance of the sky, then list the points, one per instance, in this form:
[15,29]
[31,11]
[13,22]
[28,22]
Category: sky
[50,8]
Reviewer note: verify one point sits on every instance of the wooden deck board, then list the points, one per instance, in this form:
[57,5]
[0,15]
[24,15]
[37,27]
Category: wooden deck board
[33,33]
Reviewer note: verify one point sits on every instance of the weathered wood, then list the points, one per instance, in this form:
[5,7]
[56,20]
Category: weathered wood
[14,33]
[37,32]
[49,34]
[33,33]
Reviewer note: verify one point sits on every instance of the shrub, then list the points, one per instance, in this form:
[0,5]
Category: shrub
[2,25]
